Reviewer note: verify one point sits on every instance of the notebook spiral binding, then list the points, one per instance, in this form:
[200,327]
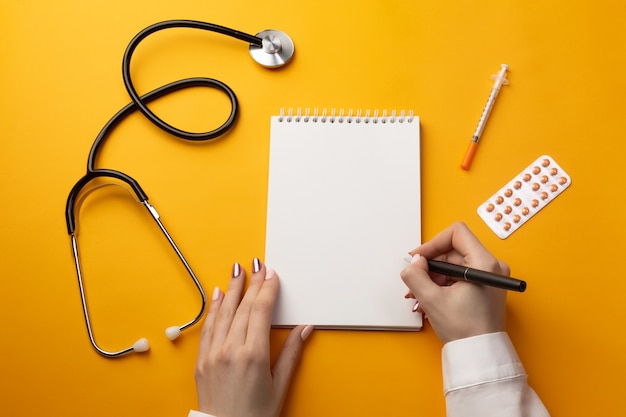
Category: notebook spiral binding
[351,117]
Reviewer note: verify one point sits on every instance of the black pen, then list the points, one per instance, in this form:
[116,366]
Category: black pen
[476,276]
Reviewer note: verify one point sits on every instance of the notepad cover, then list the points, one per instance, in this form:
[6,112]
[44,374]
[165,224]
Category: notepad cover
[343,211]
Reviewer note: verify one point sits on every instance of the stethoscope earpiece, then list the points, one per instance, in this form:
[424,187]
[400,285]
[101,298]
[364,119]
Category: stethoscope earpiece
[173,332]
[276,50]
[141,345]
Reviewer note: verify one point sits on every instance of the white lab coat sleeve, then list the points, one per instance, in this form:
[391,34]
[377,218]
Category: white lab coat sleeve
[483,376]
[193,413]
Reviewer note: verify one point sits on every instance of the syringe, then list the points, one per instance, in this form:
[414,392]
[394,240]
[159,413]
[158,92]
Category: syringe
[471,150]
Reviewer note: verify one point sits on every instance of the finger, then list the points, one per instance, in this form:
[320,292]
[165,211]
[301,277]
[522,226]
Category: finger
[465,249]
[228,307]
[416,277]
[209,322]
[239,325]
[437,247]
[454,244]
[504,269]
[261,311]
[288,358]
[456,237]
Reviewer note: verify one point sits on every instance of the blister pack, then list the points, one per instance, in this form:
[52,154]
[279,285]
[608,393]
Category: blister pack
[522,197]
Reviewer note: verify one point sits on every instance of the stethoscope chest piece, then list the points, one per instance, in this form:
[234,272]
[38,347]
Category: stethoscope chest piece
[277,49]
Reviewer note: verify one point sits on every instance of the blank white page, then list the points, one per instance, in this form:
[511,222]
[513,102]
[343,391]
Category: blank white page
[343,211]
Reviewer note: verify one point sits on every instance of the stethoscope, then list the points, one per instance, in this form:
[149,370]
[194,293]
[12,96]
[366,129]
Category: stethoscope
[270,48]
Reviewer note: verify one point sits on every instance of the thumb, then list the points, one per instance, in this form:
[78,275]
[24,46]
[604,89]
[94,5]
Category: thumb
[288,358]
[416,277]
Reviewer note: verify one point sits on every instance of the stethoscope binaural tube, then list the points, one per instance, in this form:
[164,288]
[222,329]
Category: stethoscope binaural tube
[269,48]
[142,344]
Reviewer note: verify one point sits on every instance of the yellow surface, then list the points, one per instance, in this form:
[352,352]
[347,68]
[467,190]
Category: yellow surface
[61,81]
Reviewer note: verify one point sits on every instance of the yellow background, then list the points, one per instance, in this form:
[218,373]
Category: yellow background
[61,81]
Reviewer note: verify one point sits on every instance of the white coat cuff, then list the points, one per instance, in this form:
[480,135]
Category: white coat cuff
[479,360]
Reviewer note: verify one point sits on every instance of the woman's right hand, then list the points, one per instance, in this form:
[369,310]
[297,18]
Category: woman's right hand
[457,309]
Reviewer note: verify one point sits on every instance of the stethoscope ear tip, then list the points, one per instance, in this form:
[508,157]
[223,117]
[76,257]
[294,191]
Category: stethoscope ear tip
[172,332]
[141,345]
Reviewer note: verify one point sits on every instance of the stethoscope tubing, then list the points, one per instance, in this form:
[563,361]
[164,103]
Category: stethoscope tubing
[156,94]
[141,104]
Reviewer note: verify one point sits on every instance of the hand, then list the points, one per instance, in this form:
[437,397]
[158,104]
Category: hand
[457,309]
[233,374]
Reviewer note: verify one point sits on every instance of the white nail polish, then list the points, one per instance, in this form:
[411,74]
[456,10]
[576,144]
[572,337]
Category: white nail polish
[306,332]
[270,273]
[216,293]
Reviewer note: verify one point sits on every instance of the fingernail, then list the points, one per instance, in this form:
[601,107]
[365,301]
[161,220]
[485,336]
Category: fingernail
[256,265]
[416,306]
[306,332]
[216,293]
[269,274]
[236,270]
[415,258]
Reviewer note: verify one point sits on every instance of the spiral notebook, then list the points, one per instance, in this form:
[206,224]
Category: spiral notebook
[343,210]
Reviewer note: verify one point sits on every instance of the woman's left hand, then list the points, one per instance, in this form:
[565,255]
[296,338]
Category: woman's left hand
[234,377]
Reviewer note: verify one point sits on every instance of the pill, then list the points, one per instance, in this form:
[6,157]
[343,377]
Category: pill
[508,192]
[517,202]
[508,210]
[517,185]
[544,179]
[499,199]
[545,162]
[536,170]
[536,186]
[490,207]
[544,195]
